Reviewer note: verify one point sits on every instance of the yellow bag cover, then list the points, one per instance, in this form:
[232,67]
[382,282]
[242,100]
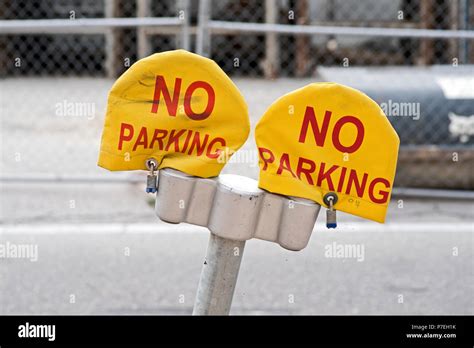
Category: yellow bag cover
[178,108]
[327,137]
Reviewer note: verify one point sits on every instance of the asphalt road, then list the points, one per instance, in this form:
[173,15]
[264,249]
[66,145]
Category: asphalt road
[158,272]
[117,258]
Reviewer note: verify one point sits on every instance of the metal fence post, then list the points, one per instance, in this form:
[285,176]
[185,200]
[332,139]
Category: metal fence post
[203,37]
[184,34]
[111,40]
[271,63]
[143,41]
[219,276]
[464,24]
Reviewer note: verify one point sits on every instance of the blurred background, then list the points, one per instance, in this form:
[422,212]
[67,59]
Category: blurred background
[58,59]
[424,79]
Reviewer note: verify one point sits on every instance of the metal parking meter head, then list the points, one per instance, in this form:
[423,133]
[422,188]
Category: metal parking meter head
[326,138]
[177,108]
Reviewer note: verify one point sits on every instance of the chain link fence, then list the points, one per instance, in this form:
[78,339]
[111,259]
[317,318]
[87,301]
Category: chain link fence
[56,72]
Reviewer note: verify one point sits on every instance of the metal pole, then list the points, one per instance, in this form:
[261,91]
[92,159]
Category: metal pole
[203,36]
[111,40]
[143,41]
[272,54]
[223,28]
[82,25]
[218,276]
[464,24]
[184,35]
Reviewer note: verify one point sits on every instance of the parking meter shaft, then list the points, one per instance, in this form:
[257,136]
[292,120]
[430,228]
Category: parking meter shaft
[219,276]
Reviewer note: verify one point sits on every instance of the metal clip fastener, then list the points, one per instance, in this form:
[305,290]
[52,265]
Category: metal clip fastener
[151,179]
[330,199]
